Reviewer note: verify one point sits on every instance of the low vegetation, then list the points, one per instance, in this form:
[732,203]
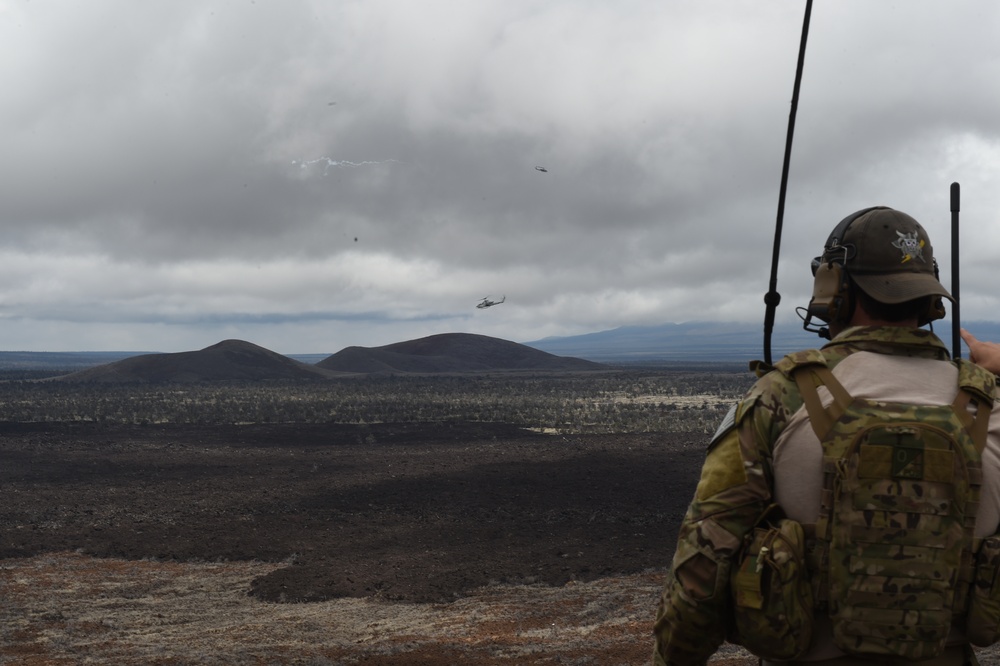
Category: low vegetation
[62,605]
[621,401]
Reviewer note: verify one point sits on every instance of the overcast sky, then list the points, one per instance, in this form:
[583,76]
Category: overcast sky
[313,175]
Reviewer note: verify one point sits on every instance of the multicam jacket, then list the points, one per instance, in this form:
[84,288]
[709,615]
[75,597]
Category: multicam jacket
[766,452]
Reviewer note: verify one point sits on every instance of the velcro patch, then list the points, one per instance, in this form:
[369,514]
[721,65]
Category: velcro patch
[723,468]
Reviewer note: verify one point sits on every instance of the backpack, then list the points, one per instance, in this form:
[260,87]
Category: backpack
[893,555]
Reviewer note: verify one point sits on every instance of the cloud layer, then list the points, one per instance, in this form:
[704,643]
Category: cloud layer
[313,175]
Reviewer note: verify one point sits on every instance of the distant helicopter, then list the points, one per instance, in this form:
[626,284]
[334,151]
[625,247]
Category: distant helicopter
[487,303]
[542,169]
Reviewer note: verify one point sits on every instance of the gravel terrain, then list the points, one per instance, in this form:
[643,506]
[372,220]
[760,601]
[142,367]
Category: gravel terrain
[443,543]
[330,544]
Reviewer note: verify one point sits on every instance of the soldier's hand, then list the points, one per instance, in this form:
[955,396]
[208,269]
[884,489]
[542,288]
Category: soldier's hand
[986,354]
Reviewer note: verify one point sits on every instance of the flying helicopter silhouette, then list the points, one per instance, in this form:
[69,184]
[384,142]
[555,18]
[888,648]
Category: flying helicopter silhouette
[542,169]
[487,303]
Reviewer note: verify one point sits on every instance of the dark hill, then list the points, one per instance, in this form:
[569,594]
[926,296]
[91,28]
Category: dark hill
[451,352]
[229,360]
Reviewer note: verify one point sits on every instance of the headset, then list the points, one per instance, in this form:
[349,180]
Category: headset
[833,298]
[832,288]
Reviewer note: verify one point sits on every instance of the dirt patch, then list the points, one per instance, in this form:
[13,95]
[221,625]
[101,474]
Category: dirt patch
[61,606]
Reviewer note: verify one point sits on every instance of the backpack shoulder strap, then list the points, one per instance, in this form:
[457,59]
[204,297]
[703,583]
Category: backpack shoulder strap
[810,370]
[977,386]
[791,362]
[976,379]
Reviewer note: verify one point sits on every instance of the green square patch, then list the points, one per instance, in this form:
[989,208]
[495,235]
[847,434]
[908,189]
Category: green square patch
[908,460]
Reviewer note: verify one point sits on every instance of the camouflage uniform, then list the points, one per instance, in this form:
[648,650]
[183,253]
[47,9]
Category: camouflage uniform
[738,483]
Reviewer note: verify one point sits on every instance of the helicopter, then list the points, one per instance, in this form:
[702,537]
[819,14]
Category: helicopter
[487,303]
[542,169]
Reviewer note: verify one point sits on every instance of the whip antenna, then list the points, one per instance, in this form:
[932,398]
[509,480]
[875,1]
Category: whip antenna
[956,325]
[772,298]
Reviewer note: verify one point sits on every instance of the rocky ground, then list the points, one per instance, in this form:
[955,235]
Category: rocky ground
[437,543]
[325,544]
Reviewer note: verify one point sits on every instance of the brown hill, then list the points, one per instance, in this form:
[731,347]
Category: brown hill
[451,352]
[229,360]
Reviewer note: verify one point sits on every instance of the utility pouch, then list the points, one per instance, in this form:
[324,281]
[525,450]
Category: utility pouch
[772,595]
[982,624]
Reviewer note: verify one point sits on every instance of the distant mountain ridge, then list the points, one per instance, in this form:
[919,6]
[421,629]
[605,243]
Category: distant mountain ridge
[708,341]
[697,342]
[690,341]
[451,352]
[237,360]
[229,360]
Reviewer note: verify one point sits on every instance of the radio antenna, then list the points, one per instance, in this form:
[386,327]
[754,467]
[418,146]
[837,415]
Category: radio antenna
[956,325]
[772,297]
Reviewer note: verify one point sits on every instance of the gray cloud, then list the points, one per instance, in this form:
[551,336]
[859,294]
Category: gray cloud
[310,175]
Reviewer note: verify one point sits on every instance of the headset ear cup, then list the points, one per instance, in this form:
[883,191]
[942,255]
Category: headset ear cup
[831,300]
[847,301]
[934,310]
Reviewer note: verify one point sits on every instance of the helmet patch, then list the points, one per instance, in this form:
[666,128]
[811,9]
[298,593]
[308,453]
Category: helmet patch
[910,245]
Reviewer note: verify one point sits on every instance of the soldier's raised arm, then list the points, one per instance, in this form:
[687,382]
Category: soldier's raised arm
[986,354]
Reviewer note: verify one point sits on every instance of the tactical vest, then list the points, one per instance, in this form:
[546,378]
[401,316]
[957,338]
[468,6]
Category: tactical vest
[892,557]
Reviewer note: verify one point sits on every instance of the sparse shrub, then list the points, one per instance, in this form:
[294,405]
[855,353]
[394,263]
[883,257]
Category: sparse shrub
[624,401]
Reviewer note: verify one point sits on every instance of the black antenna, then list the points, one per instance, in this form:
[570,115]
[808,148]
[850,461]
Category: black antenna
[956,325]
[772,297]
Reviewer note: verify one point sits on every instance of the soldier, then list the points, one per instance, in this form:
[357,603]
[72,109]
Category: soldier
[843,507]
